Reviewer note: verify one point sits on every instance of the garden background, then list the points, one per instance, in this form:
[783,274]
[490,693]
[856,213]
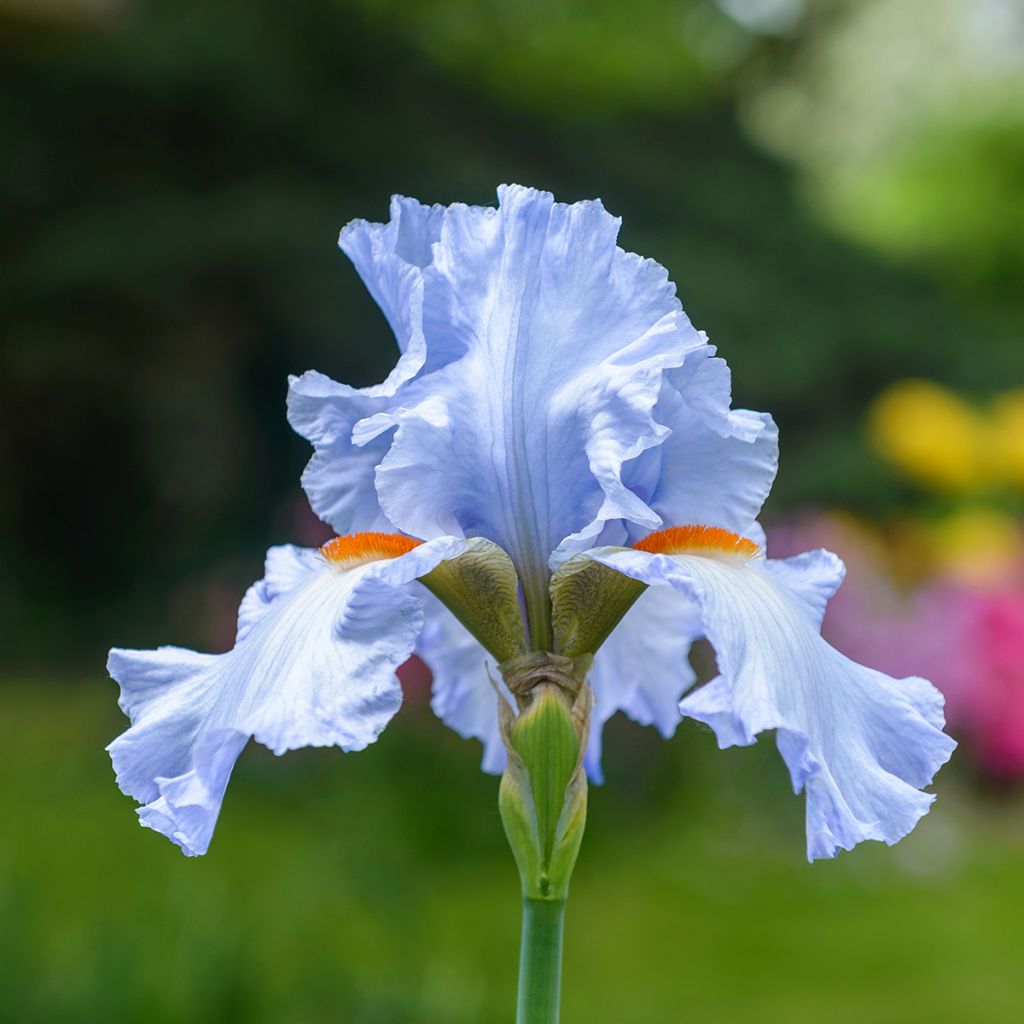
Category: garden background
[837,189]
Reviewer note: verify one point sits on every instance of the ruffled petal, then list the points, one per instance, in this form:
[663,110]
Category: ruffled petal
[643,668]
[545,346]
[860,743]
[339,480]
[314,665]
[389,258]
[718,463]
[285,569]
[563,338]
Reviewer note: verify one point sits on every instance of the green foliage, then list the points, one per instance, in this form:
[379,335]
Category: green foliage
[572,59]
[905,119]
[376,888]
[951,200]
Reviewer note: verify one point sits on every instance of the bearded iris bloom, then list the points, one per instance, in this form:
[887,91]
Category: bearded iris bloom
[556,458]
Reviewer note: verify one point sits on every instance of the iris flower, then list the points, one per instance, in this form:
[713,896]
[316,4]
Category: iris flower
[556,458]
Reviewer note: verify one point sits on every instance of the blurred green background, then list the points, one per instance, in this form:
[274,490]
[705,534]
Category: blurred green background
[838,190]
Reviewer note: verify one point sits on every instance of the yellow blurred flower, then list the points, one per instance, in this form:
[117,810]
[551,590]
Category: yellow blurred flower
[977,546]
[929,433]
[1007,436]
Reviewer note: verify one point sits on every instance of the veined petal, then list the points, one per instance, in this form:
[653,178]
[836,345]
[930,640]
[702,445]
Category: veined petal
[812,578]
[643,668]
[718,463]
[545,348]
[314,665]
[860,743]
[339,479]
[563,338]
[285,569]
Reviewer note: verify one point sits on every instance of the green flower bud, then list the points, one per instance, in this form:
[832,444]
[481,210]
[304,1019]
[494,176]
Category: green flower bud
[543,795]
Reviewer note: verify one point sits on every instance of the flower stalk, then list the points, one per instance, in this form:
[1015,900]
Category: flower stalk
[543,803]
[540,962]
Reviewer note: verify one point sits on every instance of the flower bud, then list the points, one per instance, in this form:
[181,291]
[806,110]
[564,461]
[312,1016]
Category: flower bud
[543,795]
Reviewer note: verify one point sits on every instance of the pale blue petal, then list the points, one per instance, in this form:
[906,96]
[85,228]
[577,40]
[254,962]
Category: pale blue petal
[551,392]
[314,665]
[545,348]
[860,743]
[812,578]
[389,258]
[285,569]
[564,339]
[643,668]
[339,480]
[466,682]
[717,465]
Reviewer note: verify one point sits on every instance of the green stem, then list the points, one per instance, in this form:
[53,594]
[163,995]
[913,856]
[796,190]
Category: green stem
[540,961]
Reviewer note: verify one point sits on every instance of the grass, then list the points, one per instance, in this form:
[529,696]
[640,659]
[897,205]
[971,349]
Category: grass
[376,889]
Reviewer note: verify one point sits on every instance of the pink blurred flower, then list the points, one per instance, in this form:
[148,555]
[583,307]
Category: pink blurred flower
[968,639]
[987,701]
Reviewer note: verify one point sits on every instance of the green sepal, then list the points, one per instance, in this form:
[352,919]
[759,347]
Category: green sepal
[481,588]
[543,795]
[587,602]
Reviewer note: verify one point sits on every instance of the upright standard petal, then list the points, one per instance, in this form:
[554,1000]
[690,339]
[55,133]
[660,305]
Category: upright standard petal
[339,479]
[319,640]
[544,350]
[561,341]
[860,743]
[718,463]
